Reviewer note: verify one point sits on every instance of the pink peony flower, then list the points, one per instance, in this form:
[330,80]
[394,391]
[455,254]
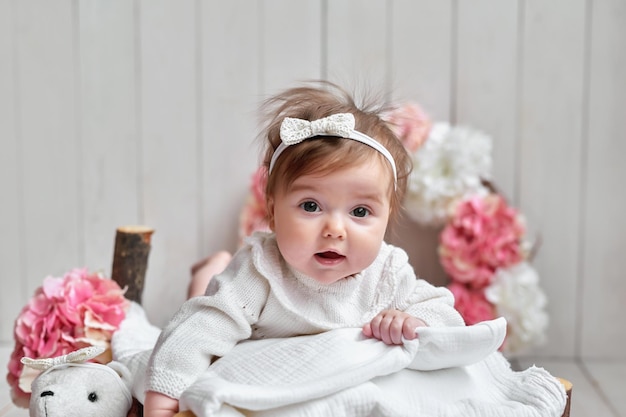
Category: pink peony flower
[471,304]
[483,235]
[65,314]
[410,124]
[253,216]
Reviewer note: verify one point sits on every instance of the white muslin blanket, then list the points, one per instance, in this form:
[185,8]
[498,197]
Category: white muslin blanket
[451,371]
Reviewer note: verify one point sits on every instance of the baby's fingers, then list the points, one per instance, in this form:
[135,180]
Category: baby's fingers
[409,327]
[367,330]
[372,329]
[395,330]
[387,326]
[391,326]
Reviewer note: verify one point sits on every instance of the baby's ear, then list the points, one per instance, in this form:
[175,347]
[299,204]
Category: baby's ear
[270,212]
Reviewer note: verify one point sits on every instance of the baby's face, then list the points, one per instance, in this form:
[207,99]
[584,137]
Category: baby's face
[331,227]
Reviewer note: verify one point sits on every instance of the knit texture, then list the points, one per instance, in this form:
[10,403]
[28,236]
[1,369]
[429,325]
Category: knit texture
[342,373]
[446,372]
[259,296]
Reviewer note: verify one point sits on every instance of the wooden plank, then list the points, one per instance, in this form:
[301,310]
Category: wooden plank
[169,148]
[609,377]
[356,46]
[551,134]
[421,54]
[203,81]
[13,292]
[604,204]
[47,121]
[110,167]
[291,43]
[486,80]
[230,98]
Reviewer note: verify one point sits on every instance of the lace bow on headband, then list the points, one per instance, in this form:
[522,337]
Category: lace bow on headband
[294,131]
[79,356]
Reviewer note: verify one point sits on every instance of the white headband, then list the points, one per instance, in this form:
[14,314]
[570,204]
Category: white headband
[294,131]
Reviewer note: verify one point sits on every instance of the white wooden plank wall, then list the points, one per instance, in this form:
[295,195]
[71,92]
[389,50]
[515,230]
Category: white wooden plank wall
[118,112]
[602,228]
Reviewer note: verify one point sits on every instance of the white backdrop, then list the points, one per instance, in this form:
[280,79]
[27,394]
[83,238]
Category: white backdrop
[120,112]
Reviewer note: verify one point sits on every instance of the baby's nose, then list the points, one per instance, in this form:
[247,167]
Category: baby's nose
[334,228]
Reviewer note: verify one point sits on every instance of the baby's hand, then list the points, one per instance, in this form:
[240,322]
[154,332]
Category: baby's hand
[159,405]
[390,325]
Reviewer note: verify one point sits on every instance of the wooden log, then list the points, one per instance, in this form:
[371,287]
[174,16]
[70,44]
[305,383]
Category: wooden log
[130,263]
[420,242]
[130,259]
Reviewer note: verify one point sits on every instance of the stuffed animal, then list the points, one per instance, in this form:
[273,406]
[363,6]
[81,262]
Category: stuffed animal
[69,386]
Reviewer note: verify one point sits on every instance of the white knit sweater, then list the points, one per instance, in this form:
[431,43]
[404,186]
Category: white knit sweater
[260,296]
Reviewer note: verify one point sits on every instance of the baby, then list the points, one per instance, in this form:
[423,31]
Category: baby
[336,176]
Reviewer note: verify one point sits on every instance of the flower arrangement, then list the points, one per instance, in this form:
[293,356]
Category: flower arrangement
[452,163]
[410,124]
[483,234]
[484,252]
[483,246]
[66,313]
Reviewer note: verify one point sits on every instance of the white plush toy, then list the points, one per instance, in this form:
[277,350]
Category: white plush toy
[71,387]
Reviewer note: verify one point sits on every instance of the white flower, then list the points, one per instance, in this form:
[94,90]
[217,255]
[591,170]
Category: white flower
[450,165]
[516,294]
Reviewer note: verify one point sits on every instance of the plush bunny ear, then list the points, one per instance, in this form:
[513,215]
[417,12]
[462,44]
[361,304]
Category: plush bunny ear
[122,371]
[79,356]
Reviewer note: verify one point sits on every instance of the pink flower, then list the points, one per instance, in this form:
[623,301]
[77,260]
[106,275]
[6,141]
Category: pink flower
[471,304]
[253,216]
[258,184]
[483,235]
[410,124]
[65,314]
[19,394]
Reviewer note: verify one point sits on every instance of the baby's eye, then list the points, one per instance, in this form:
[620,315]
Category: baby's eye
[360,212]
[310,206]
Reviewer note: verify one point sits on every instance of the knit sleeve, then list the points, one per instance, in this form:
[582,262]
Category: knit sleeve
[433,305]
[207,326]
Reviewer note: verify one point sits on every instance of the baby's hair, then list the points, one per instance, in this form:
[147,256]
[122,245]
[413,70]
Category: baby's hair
[314,101]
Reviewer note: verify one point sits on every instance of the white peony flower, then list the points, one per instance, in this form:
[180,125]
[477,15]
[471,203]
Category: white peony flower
[517,297]
[450,165]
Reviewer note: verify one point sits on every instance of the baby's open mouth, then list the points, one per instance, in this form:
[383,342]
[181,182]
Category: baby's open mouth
[329,255]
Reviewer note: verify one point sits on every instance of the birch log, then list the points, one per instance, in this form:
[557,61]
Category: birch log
[130,259]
